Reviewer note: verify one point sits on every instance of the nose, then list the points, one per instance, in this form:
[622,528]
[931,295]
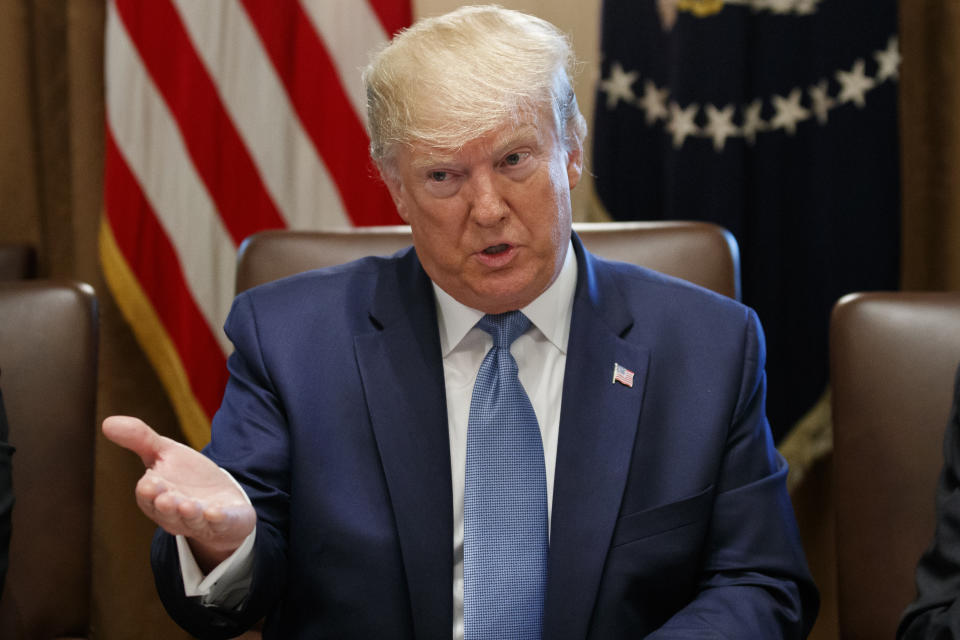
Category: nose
[487,204]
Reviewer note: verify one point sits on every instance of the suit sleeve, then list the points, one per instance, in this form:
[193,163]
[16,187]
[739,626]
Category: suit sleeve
[936,611]
[249,440]
[755,582]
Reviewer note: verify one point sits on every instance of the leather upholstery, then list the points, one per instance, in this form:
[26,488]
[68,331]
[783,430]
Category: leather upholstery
[702,253]
[48,359]
[892,363]
[17,261]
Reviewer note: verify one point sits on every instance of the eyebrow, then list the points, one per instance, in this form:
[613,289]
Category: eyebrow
[434,158]
[520,134]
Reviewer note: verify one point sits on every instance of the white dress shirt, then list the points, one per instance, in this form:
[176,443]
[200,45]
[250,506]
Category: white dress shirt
[541,355]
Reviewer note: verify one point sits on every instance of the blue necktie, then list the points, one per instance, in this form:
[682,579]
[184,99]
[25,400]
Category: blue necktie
[505,498]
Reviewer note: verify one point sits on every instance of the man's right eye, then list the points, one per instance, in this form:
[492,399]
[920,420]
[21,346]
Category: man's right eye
[441,183]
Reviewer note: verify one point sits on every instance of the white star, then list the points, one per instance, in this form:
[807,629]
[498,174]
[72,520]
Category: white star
[888,61]
[720,125]
[752,121]
[854,84]
[681,122]
[789,112]
[822,102]
[780,6]
[617,85]
[654,102]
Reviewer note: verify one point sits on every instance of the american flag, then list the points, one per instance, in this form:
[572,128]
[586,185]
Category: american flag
[622,375]
[225,118]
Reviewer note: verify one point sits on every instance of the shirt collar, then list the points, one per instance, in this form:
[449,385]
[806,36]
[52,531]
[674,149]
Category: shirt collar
[550,312]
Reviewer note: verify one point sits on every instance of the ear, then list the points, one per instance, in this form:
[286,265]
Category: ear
[574,164]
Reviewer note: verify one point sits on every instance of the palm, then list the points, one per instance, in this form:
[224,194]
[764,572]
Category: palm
[190,473]
[184,491]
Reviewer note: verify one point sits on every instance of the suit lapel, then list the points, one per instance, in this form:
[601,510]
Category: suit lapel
[598,426]
[401,368]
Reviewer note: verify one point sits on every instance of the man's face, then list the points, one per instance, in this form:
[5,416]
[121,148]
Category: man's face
[491,221]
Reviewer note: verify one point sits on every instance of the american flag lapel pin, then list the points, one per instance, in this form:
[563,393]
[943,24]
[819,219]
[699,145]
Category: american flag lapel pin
[622,375]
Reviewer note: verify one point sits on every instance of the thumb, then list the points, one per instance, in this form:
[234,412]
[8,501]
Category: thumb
[134,434]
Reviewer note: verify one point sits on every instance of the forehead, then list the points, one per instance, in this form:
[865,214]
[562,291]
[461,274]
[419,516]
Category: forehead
[526,131]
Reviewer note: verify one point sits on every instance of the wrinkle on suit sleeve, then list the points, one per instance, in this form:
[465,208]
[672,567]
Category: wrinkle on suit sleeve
[755,581]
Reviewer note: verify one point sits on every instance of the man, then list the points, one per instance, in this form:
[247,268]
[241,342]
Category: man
[936,611]
[385,442]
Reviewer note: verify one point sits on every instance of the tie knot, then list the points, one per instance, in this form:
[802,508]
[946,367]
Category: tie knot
[504,328]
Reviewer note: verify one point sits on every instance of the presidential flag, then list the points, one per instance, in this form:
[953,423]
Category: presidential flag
[776,119]
[224,118]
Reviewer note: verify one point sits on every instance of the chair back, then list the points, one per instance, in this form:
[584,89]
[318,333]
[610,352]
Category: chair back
[48,373]
[700,252]
[892,362]
[17,261]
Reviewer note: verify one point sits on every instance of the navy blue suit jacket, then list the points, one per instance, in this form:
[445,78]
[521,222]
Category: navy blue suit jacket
[670,513]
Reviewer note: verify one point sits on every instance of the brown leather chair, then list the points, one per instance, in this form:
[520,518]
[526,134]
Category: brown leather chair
[696,251]
[17,261]
[892,363]
[703,253]
[48,372]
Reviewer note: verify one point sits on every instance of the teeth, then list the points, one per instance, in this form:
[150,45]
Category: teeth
[499,248]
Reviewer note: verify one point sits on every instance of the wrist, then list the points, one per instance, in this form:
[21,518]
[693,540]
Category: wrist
[209,556]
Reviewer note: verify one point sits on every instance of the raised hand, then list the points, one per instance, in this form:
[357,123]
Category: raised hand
[184,492]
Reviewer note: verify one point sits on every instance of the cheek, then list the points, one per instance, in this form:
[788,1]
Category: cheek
[559,176]
[553,201]
[413,211]
[402,210]
[437,237]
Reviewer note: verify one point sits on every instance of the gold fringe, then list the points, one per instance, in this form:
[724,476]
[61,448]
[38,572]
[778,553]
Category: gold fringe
[153,338]
[808,441]
[701,8]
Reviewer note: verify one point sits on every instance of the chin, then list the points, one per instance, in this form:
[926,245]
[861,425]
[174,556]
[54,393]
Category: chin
[499,301]
[504,291]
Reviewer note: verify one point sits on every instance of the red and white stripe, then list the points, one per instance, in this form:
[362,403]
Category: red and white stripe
[225,118]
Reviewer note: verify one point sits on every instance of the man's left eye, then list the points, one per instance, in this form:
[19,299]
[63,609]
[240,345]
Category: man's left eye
[438,176]
[513,159]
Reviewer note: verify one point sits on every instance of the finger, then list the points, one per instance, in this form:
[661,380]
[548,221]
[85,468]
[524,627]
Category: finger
[148,488]
[134,434]
[215,515]
[161,505]
[167,505]
[191,514]
[146,506]
[236,520]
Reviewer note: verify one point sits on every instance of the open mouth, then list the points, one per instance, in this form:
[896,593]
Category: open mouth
[495,249]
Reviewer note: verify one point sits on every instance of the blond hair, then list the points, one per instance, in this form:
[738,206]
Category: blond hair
[450,79]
